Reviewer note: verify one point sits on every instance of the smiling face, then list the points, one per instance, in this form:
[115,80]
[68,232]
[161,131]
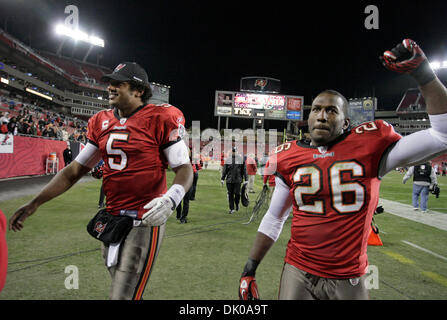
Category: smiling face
[327,119]
[122,97]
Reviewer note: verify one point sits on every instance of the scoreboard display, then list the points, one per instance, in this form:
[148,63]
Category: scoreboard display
[258,105]
[361,110]
[294,108]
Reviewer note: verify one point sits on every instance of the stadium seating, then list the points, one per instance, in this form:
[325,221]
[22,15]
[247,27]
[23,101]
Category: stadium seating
[77,69]
[92,72]
[411,102]
[67,65]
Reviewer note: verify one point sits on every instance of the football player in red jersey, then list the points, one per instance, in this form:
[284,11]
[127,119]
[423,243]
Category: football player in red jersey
[332,182]
[137,142]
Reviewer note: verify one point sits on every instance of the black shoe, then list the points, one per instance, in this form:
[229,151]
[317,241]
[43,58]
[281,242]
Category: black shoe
[183,220]
[231,211]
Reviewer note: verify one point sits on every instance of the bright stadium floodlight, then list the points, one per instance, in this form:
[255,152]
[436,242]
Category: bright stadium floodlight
[435,65]
[79,35]
[96,41]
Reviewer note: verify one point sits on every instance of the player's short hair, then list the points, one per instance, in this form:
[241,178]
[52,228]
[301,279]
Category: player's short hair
[345,105]
[138,86]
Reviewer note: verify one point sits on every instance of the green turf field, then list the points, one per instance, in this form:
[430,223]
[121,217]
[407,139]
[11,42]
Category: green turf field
[203,259]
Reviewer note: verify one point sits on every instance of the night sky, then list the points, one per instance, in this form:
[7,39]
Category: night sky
[198,47]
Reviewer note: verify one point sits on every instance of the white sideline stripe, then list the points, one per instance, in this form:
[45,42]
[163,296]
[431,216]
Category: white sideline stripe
[433,218]
[425,250]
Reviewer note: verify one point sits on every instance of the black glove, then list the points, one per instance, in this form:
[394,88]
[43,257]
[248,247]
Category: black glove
[408,57]
[97,173]
[379,210]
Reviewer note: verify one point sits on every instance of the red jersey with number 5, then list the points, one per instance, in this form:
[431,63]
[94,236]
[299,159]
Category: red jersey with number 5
[132,149]
[335,192]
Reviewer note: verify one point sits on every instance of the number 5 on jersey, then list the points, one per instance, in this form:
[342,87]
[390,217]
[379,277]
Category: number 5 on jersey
[309,181]
[117,158]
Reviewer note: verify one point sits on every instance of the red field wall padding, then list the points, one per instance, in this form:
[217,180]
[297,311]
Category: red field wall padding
[29,157]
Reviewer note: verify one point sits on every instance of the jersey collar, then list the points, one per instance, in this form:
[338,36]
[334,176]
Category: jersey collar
[116,113]
[306,143]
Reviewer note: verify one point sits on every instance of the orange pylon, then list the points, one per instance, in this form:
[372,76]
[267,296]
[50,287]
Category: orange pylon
[374,239]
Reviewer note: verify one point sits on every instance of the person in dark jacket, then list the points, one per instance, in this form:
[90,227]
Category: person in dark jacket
[68,155]
[197,166]
[183,213]
[424,178]
[234,171]
[12,125]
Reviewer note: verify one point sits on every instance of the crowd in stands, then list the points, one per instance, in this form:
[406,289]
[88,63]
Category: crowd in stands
[33,120]
[413,101]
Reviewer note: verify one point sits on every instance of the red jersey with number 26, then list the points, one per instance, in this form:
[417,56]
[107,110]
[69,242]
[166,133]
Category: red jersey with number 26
[132,149]
[335,192]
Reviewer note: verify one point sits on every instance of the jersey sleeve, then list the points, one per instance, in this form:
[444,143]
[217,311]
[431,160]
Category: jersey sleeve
[172,124]
[388,135]
[92,131]
[379,137]
[280,164]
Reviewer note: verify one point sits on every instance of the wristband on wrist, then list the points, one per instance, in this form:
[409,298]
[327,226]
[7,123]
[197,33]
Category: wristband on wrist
[250,268]
[176,192]
[423,74]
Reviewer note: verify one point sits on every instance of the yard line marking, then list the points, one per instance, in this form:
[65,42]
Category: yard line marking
[429,274]
[425,250]
[398,257]
[435,277]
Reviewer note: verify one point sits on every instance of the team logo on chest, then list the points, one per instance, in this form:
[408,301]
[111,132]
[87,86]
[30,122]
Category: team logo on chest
[122,122]
[323,153]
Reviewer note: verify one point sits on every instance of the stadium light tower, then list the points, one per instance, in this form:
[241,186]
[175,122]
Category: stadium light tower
[78,35]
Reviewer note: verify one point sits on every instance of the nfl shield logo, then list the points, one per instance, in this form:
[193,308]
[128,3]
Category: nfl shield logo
[123,120]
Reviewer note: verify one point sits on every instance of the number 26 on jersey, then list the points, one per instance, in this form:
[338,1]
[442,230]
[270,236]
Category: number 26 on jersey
[347,196]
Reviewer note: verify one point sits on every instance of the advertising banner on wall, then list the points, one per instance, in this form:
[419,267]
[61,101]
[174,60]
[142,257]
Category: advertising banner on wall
[6,143]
